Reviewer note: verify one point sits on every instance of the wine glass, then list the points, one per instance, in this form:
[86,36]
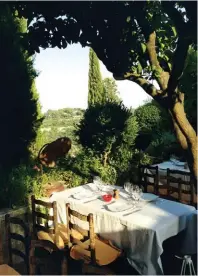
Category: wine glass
[127,187]
[98,182]
[137,193]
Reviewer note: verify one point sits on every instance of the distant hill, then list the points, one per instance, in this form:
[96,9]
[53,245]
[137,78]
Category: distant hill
[61,122]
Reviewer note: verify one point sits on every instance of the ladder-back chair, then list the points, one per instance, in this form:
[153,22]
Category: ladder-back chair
[149,176]
[45,223]
[35,261]
[17,232]
[94,253]
[183,185]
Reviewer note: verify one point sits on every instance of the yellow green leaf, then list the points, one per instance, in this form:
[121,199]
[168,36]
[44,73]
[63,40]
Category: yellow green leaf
[143,47]
[174,31]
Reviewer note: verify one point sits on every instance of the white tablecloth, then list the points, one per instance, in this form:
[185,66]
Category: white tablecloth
[140,234]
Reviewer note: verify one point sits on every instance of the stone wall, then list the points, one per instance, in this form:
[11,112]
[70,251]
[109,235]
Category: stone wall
[20,213]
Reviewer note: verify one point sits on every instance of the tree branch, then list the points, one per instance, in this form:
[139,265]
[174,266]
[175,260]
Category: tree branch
[149,88]
[161,76]
[178,64]
[150,37]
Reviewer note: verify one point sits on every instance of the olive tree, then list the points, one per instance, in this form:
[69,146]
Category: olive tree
[137,41]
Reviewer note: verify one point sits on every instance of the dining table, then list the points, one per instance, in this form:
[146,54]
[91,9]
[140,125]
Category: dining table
[139,229]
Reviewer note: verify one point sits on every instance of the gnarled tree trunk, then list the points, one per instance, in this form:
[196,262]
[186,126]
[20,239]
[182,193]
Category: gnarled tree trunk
[186,136]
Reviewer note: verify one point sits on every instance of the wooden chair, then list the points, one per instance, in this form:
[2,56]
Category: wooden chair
[10,223]
[35,262]
[45,224]
[178,177]
[149,176]
[96,255]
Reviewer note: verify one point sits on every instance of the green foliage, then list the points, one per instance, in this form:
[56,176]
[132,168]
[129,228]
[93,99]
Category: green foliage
[153,120]
[95,92]
[111,92]
[126,50]
[87,163]
[136,40]
[22,181]
[19,102]
[148,117]
[105,128]
[139,158]
[109,131]
[164,145]
[59,123]
[16,185]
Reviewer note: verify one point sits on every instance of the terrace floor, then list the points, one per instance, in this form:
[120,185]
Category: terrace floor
[171,265]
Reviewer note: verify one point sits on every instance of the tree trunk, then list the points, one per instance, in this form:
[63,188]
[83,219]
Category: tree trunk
[186,136]
[106,156]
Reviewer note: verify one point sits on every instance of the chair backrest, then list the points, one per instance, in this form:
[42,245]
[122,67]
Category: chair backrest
[185,184]
[42,216]
[88,241]
[149,175]
[17,231]
[35,260]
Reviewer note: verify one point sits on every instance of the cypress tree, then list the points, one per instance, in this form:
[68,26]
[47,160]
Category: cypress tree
[111,92]
[19,107]
[95,93]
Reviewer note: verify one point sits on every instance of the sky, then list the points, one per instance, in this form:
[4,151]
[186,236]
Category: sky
[63,79]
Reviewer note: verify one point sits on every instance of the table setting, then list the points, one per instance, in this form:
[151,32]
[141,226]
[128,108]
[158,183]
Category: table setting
[134,221]
[114,199]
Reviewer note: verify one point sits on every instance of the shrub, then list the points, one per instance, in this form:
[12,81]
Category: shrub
[86,164]
[23,181]
[105,129]
[139,158]
[148,117]
[163,146]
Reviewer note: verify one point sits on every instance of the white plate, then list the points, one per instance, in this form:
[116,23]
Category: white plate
[118,207]
[83,195]
[106,188]
[148,197]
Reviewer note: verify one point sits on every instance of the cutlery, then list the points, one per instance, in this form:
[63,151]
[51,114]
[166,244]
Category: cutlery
[90,200]
[133,211]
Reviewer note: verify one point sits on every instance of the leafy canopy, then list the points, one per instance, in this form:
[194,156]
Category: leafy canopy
[119,32]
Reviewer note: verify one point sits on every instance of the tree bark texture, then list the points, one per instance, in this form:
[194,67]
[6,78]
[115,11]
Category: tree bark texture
[186,136]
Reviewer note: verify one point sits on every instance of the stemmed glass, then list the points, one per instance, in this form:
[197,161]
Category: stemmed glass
[129,189]
[137,193]
[99,184]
